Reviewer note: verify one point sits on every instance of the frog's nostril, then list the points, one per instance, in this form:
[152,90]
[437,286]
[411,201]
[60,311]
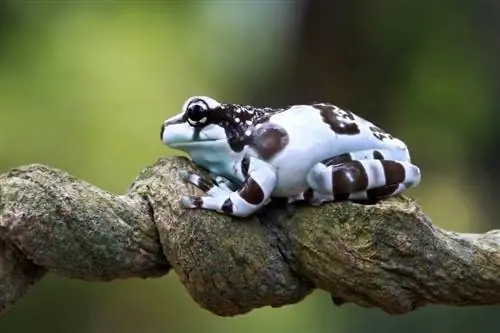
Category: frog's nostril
[162,130]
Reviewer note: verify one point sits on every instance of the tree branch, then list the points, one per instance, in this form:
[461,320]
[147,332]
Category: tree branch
[388,255]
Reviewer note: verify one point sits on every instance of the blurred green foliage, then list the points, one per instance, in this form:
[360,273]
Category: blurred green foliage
[84,87]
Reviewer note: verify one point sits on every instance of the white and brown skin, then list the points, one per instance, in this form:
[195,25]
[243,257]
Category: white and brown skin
[315,153]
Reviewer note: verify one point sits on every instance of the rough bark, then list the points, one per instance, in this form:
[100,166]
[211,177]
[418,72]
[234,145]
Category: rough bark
[388,255]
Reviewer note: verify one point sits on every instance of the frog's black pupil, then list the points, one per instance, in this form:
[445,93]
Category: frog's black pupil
[195,112]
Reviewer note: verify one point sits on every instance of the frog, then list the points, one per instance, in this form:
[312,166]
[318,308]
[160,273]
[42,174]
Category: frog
[315,153]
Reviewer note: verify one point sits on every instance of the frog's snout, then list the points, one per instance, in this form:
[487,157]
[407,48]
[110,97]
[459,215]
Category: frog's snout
[162,130]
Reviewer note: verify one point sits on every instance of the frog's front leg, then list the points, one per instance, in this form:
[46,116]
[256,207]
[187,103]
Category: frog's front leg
[251,196]
[224,183]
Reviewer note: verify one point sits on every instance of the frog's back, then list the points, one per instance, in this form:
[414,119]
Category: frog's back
[318,132]
[321,131]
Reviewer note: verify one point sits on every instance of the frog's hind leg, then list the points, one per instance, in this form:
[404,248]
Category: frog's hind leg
[376,194]
[348,180]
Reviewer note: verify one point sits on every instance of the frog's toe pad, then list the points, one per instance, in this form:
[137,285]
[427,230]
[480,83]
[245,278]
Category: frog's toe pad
[191,201]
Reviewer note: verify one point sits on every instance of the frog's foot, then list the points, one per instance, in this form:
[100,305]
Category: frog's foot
[315,198]
[200,182]
[360,180]
[253,195]
[213,191]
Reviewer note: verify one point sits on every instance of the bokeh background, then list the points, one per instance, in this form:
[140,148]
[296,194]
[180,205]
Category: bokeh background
[85,85]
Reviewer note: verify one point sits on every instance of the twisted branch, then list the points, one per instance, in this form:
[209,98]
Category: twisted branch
[387,255]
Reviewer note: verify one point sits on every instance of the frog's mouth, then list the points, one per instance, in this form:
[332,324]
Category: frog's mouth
[180,135]
[195,143]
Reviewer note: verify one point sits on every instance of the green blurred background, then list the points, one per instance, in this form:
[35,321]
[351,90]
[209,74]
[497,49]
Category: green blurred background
[85,85]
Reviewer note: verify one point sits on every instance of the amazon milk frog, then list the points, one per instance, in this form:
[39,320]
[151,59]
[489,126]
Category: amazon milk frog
[315,153]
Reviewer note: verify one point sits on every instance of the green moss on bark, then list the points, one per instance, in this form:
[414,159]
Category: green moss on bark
[387,255]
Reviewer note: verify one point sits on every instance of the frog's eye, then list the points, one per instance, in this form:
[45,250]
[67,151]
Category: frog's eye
[197,113]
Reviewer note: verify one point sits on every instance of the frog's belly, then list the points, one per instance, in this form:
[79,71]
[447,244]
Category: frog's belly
[310,142]
[291,181]
[292,174]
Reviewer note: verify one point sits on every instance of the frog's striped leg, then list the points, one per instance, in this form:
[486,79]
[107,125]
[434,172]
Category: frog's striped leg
[370,154]
[254,194]
[348,180]
[371,196]
[316,198]
[378,193]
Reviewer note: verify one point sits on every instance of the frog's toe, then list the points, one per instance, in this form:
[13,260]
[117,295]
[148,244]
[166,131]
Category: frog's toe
[191,201]
[215,203]
[184,174]
[196,180]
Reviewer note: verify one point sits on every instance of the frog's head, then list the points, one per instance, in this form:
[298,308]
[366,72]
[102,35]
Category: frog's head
[206,127]
[195,125]
[208,131]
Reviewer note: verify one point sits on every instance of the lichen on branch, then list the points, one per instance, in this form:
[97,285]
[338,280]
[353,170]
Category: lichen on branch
[387,255]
